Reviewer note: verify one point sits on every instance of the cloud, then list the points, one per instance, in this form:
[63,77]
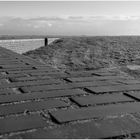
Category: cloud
[42,24]
[76,17]
[68,25]
[46,18]
[49,24]
[36,26]
[118,17]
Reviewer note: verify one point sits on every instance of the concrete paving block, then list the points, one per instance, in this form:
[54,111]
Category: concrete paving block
[30,106]
[95,78]
[39,95]
[101,99]
[94,112]
[30,83]
[22,123]
[114,88]
[46,88]
[93,84]
[94,130]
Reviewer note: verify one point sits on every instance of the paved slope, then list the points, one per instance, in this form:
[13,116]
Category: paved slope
[37,101]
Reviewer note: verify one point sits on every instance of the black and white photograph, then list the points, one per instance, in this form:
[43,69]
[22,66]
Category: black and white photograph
[69,69]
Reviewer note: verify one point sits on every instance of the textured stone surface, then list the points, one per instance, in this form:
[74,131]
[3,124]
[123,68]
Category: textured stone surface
[94,84]
[114,88]
[94,129]
[101,99]
[13,124]
[94,78]
[40,95]
[29,71]
[16,69]
[21,79]
[94,112]
[12,75]
[130,81]
[30,83]
[31,106]
[46,87]
[29,87]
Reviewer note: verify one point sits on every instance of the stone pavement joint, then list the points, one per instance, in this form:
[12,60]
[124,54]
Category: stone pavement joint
[38,101]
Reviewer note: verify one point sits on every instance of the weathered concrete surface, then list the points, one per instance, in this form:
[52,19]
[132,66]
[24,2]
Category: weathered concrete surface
[37,101]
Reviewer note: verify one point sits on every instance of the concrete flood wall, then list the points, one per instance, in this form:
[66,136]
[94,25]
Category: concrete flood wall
[23,45]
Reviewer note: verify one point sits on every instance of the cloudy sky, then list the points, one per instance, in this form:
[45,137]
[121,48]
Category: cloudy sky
[70,18]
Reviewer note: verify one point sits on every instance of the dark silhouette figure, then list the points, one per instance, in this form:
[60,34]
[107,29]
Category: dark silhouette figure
[46,41]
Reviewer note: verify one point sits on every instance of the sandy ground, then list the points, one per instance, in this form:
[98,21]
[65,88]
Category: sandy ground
[91,53]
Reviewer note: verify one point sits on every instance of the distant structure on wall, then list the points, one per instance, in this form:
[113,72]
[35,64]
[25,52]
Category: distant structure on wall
[46,41]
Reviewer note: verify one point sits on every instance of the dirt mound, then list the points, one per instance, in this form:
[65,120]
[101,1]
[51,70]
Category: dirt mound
[89,52]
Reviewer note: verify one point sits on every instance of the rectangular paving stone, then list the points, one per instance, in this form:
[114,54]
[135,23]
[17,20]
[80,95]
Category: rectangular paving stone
[82,73]
[40,95]
[93,84]
[38,73]
[103,89]
[134,87]
[47,69]
[42,66]
[94,78]
[14,124]
[114,88]
[46,88]
[94,112]
[90,71]
[15,69]
[21,79]
[28,71]
[101,99]
[98,129]
[106,73]
[31,106]
[4,61]
[61,75]
[130,81]
[13,75]
[30,83]
[53,74]
[15,66]
[9,63]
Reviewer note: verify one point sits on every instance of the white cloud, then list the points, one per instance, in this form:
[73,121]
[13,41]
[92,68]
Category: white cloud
[117,17]
[36,26]
[49,24]
[67,24]
[41,24]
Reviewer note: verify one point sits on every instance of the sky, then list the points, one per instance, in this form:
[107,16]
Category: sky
[70,18]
